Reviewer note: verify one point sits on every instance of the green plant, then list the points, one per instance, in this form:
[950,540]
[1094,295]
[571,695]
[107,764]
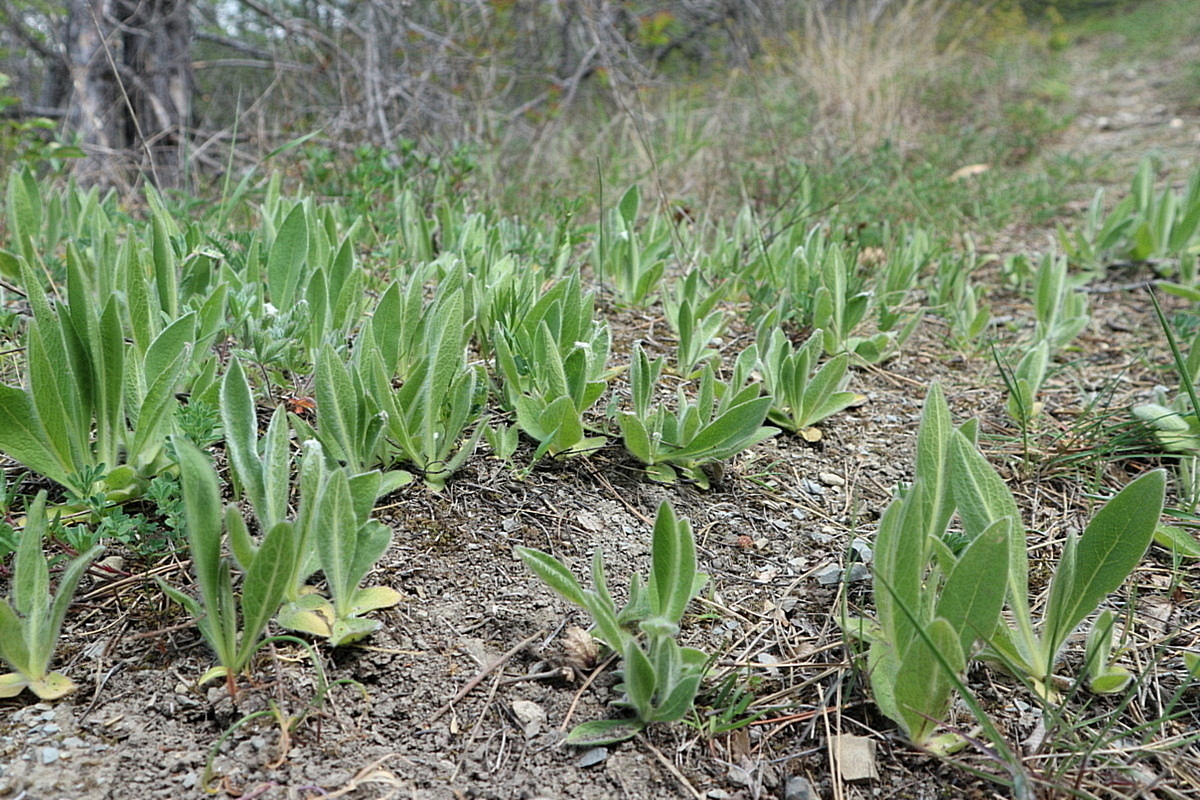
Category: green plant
[927,623]
[952,294]
[719,422]
[31,618]
[659,678]
[1061,312]
[95,404]
[232,626]
[840,304]
[350,423]
[1174,422]
[1091,566]
[341,538]
[427,416]
[696,320]
[900,275]
[28,139]
[552,361]
[631,260]
[1142,227]
[727,708]
[1104,677]
[1024,382]
[261,469]
[803,395]
[502,439]
[932,604]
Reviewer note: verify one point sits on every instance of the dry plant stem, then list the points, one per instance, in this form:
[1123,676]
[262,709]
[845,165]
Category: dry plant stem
[478,679]
[575,700]
[372,773]
[620,497]
[112,587]
[666,762]
[487,704]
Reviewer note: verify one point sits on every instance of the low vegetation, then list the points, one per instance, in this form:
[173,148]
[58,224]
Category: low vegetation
[254,382]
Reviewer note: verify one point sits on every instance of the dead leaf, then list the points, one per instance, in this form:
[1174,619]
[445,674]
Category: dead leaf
[589,521]
[969,171]
[580,649]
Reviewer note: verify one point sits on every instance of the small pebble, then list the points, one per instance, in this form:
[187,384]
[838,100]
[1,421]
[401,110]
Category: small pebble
[798,788]
[861,551]
[829,575]
[49,755]
[531,715]
[592,757]
[738,776]
[831,479]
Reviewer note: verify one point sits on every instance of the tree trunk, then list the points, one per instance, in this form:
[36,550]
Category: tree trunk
[129,63]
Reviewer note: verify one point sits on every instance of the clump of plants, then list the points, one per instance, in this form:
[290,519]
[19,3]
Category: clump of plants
[659,677]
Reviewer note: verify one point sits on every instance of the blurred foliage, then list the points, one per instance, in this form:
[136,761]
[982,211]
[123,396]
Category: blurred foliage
[28,140]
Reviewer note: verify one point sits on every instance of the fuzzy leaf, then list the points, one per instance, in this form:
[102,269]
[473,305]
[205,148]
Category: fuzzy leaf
[287,257]
[974,592]
[553,574]
[24,439]
[604,731]
[266,581]
[1111,546]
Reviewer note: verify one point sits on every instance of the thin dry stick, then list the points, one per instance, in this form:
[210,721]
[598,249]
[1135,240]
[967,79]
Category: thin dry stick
[575,701]
[478,723]
[835,769]
[679,776]
[478,679]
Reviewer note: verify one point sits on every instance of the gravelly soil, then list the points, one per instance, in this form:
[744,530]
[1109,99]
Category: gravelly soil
[774,532]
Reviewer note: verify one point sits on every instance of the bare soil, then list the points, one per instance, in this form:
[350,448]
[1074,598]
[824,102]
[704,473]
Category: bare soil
[775,532]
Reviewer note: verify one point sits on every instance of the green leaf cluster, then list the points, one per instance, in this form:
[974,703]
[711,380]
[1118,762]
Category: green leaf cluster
[933,603]
[332,530]
[427,416]
[629,256]
[552,361]
[693,314]
[334,520]
[95,401]
[660,678]
[720,421]
[231,625]
[31,617]
[803,393]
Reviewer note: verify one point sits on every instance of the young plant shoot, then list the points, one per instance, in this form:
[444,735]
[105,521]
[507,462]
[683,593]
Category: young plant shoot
[31,617]
[660,677]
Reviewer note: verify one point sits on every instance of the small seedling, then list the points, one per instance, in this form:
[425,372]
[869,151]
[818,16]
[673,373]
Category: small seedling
[31,618]
[231,625]
[660,677]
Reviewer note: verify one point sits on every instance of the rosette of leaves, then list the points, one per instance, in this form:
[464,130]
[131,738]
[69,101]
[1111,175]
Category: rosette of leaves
[720,421]
[335,515]
[659,677]
[552,361]
[428,414]
[31,617]
[803,393]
